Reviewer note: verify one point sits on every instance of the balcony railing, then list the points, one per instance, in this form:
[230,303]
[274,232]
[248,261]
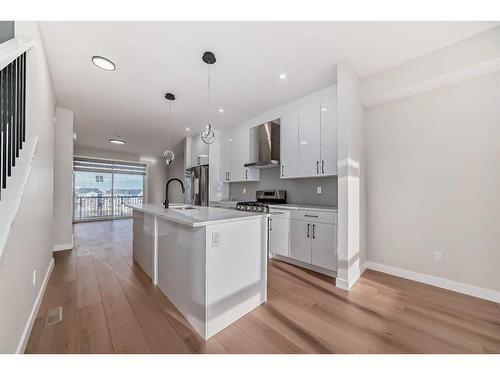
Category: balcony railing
[86,208]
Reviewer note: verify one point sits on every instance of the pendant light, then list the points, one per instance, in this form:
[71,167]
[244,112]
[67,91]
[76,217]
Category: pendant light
[169,155]
[208,135]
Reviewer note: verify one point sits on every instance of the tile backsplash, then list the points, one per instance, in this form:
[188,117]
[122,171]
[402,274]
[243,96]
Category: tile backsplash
[299,191]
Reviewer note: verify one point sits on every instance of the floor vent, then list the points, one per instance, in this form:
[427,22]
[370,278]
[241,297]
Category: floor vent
[53,316]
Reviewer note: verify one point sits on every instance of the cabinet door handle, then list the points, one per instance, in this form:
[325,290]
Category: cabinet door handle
[311,215]
[322,166]
[308,225]
[246,174]
[317,166]
[282,170]
[270,224]
[314,227]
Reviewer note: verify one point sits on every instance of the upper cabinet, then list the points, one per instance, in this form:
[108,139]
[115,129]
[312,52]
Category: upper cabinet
[309,139]
[237,150]
[289,145]
[328,136]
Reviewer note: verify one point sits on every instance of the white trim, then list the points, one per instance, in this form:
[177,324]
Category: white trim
[471,290]
[61,247]
[347,284]
[12,196]
[311,267]
[12,49]
[34,312]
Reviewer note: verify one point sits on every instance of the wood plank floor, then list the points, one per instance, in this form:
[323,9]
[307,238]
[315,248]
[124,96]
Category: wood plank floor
[110,306]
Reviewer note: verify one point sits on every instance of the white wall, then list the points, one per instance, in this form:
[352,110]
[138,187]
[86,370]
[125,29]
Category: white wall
[433,178]
[351,177]
[29,246]
[157,174]
[63,180]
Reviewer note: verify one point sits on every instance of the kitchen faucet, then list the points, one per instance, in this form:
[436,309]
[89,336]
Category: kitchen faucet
[165,204]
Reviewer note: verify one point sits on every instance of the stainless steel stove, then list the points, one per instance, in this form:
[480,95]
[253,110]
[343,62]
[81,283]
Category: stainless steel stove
[263,199]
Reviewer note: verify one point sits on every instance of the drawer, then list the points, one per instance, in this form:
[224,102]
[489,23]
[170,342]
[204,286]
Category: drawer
[317,216]
[285,214]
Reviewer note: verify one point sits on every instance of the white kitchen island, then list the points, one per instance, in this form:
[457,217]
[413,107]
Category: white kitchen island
[210,262]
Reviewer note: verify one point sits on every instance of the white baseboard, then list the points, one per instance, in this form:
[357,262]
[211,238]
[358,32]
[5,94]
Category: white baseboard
[455,286]
[64,246]
[34,312]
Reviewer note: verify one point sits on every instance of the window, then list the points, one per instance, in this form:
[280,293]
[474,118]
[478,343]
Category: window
[102,188]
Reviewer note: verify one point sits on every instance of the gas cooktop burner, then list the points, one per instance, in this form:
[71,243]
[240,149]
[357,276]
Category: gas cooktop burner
[264,197]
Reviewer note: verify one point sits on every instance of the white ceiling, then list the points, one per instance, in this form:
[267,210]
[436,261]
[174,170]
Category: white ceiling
[153,58]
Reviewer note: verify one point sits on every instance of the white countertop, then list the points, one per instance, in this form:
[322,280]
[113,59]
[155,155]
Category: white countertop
[198,217]
[304,207]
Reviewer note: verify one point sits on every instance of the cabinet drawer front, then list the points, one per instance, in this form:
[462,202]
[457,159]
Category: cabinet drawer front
[317,216]
[285,214]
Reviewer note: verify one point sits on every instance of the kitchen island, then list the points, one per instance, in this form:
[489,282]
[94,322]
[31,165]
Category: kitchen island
[210,262]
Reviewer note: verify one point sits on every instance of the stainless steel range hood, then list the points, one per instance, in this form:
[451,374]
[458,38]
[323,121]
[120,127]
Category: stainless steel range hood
[268,139]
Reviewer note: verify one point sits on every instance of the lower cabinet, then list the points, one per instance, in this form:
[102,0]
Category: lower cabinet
[309,237]
[323,245]
[314,243]
[279,235]
[300,240]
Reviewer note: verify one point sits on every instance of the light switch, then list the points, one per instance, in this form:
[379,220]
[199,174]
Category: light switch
[215,239]
[318,190]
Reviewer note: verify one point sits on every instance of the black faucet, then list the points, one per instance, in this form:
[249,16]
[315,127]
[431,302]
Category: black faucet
[165,204]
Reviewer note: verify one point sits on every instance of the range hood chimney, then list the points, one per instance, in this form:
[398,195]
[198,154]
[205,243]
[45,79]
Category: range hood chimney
[268,139]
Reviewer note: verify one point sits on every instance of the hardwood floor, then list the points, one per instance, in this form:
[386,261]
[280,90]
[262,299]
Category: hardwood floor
[110,306]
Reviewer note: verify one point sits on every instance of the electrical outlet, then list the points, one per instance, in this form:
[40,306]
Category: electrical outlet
[244,190]
[318,190]
[438,257]
[215,239]
[34,277]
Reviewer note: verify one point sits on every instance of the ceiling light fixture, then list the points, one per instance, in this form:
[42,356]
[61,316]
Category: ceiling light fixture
[221,110]
[117,141]
[103,63]
[282,76]
[208,135]
[169,155]
[188,129]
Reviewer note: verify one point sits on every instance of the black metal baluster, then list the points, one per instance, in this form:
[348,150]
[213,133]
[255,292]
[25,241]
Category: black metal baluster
[4,128]
[24,96]
[9,127]
[18,106]
[13,113]
[1,129]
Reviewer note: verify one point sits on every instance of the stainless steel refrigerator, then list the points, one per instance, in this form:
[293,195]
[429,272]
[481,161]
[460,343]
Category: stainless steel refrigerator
[196,184]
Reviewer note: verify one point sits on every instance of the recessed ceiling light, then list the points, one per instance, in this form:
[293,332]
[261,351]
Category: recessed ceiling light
[103,63]
[188,129]
[117,141]
[230,139]
[221,110]
[323,109]
[282,76]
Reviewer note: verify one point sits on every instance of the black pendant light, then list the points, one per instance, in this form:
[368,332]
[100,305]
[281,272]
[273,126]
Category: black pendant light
[208,135]
[169,155]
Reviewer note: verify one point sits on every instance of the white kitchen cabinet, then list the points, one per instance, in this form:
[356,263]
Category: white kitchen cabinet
[300,240]
[323,245]
[236,151]
[312,238]
[328,139]
[225,155]
[289,150]
[279,230]
[309,140]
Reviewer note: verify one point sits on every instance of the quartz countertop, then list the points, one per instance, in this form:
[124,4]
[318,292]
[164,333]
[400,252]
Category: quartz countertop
[199,216]
[308,207]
